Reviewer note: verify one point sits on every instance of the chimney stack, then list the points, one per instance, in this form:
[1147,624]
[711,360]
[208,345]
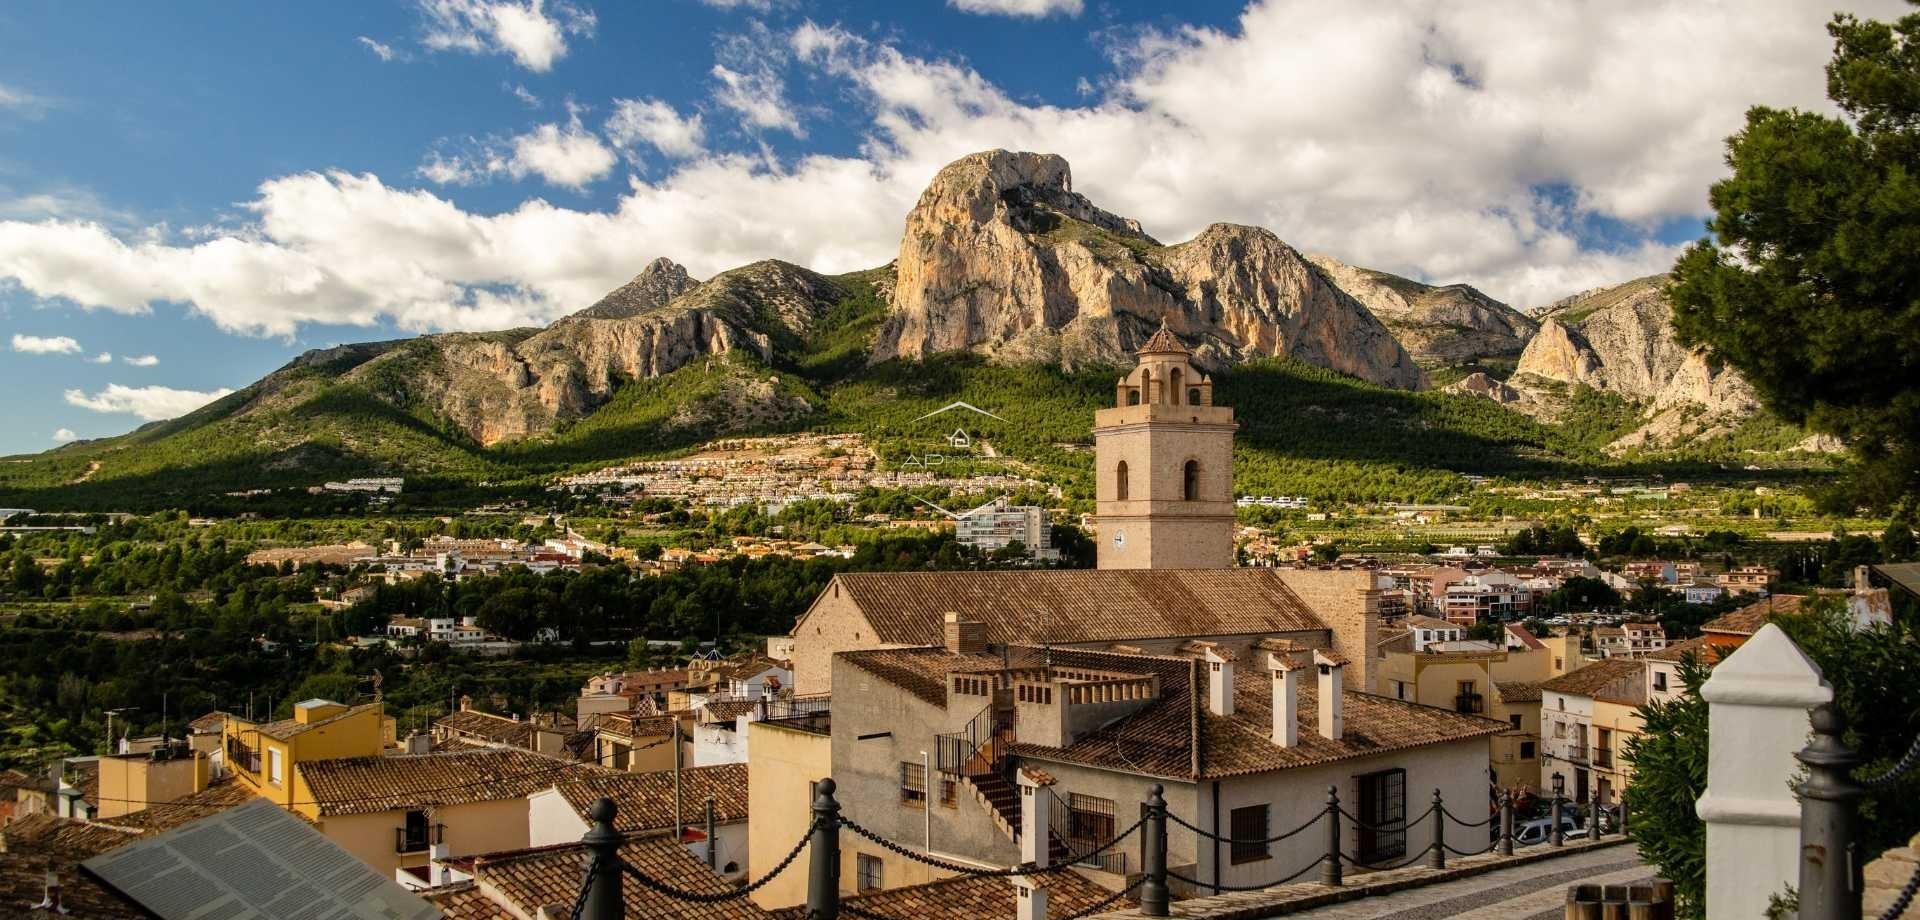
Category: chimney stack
[1286,697]
[466,702]
[1219,680]
[965,637]
[1333,723]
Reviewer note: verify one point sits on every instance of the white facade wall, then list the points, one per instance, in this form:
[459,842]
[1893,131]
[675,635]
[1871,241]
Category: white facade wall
[718,744]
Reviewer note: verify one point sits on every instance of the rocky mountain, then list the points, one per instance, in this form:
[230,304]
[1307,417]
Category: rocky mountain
[1620,340]
[1001,256]
[1440,325]
[661,281]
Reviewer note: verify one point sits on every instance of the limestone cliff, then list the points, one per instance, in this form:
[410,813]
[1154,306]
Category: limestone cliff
[1000,255]
[1440,325]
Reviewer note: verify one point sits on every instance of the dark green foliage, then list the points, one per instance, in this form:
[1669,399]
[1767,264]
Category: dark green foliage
[1669,759]
[1580,594]
[1542,540]
[1809,285]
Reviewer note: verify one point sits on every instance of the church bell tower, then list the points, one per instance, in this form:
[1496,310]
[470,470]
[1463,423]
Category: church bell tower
[1163,454]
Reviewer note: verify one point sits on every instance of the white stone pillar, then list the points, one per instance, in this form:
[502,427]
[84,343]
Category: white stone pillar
[1758,701]
[1034,820]
[1030,897]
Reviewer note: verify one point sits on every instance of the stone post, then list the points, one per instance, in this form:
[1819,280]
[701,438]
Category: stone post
[603,862]
[1330,874]
[1505,847]
[1830,873]
[1035,805]
[1437,853]
[1153,859]
[823,872]
[1757,720]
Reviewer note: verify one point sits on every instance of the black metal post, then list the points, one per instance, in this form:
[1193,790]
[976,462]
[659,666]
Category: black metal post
[1557,837]
[1506,824]
[1153,857]
[823,876]
[1593,819]
[1623,816]
[713,838]
[1830,870]
[1437,854]
[1330,870]
[603,845]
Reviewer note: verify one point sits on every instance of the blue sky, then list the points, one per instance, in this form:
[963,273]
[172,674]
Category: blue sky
[221,186]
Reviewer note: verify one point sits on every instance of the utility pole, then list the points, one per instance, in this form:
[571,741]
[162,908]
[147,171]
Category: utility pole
[678,757]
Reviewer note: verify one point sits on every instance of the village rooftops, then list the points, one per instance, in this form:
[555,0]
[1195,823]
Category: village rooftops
[35,845]
[1698,646]
[1526,638]
[487,727]
[1747,620]
[1517,691]
[645,800]
[363,785]
[287,729]
[531,879]
[1597,679]
[1067,606]
[1068,893]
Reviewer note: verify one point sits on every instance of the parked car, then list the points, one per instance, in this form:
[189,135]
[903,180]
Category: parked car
[1539,829]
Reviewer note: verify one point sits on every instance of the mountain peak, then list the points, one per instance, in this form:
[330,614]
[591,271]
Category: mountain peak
[661,281]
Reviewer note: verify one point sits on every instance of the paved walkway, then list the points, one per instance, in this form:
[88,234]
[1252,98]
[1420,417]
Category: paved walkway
[1536,891]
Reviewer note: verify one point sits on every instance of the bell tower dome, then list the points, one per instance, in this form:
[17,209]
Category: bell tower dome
[1163,483]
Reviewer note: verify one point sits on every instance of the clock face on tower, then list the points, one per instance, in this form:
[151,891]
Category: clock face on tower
[1119,538]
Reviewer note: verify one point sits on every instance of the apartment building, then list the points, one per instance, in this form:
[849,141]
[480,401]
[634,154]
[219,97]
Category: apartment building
[1586,718]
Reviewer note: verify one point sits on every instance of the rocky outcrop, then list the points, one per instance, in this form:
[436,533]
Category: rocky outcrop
[660,282]
[1439,325]
[1479,384]
[1001,256]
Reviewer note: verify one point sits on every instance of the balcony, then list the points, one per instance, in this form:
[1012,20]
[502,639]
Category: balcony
[1603,758]
[418,838]
[1470,703]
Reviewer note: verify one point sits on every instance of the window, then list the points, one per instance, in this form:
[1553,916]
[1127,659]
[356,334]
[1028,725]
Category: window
[1089,820]
[949,793]
[1193,396]
[1526,750]
[1173,390]
[1659,680]
[620,756]
[869,867]
[1515,719]
[1399,689]
[1383,813]
[913,784]
[1190,488]
[1120,481]
[1559,730]
[276,768]
[1248,828]
[1133,396]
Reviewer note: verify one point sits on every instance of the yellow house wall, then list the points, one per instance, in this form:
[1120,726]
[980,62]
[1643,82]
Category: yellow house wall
[782,765]
[128,784]
[370,839]
[1509,769]
[474,827]
[1625,721]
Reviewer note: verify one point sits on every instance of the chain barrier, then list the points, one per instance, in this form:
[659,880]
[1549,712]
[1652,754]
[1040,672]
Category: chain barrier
[1899,905]
[1239,888]
[698,897]
[1211,836]
[1898,770]
[1355,862]
[1107,901]
[1464,823]
[1484,849]
[586,885]
[1074,859]
[941,864]
[1401,824]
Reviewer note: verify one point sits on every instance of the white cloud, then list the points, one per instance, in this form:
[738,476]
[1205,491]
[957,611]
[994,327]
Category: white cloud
[653,122]
[63,435]
[149,403]
[1405,136]
[526,96]
[381,50]
[21,102]
[105,357]
[45,345]
[533,32]
[1030,9]
[758,6]
[759,95]
[565,155]
[142,360]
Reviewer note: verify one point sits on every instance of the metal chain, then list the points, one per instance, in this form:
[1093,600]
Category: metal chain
[1898,770]
[1211,836]
[1401,824]
[941,864]
[1489,846]
[1899,905]
[1260,887]
[698,897]
[1106,902]
[1457,820]
[1416,857]
[1073,858]
[586,885]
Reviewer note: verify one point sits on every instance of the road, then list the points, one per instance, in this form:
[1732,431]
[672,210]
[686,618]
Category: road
[1537,891]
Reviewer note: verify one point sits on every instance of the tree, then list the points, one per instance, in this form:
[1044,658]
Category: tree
[1669,759]
[1809,285]
[1898,544]
[1324,553]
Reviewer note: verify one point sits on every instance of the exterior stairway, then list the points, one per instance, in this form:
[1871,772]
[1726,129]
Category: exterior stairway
[1002,801]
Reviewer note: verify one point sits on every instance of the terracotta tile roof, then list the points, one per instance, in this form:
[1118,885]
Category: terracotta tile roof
[1399,642]
[646,799]
[486,726]
[1072,606]
[1747,620]
[972,899]
[1200,647]
[1696,646]
[1517,691]
[14,779]
[1422,621]
[30,846]
[1591,679]
[287,729]
[209,724]
[465,901]
[1162,342]
[920,671]
[727,710]
[362,785]
[1526,638]
[218,797]
[633,725]
[85,776]
[530,879]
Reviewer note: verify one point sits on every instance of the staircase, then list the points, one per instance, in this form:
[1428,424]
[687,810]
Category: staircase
[1001,799]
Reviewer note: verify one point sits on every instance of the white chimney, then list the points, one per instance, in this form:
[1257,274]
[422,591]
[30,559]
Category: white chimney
[1219,680]
[1286,699]
[1333,723]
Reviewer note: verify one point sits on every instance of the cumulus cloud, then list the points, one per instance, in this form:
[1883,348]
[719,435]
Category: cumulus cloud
[45,345]
[1449,142]
[533,32]
[142,360]
[565,155]
[63,435]
[526,96]
[759,95]
[105,357]
[151,404]
[758,6]
[656,124]
[1030,9]
[381,50]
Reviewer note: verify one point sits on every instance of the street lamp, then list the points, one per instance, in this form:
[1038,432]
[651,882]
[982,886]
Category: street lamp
[1559,784]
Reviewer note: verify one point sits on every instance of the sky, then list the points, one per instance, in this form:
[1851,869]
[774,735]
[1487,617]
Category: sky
[191,194]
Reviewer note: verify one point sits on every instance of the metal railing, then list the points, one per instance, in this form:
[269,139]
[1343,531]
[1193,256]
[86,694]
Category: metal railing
[978,747]
[418,838]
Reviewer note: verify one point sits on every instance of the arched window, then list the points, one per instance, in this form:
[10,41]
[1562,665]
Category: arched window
[1191,481]
[1193,396]
[1133,396]
[1173,394]
[1120,481]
